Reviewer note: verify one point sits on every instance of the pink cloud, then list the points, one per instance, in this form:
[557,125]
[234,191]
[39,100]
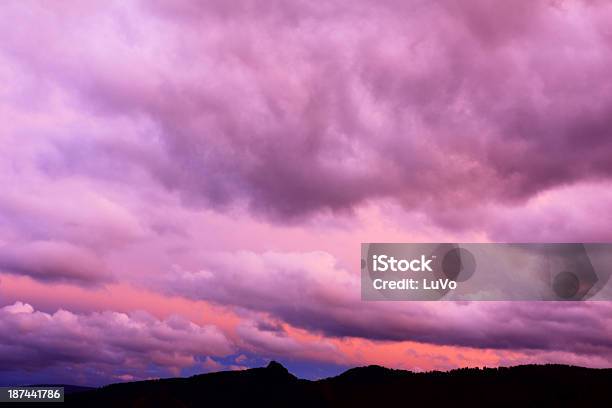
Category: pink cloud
[341,112]
[108,341]
[53,261]
[310,291]
[225,160]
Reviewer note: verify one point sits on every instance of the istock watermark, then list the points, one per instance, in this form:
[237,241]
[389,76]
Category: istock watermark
[486,271]
[383,263]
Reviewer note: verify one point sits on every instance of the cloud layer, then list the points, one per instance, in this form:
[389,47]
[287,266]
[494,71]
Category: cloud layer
[359,101]
[235,154]
[112,343]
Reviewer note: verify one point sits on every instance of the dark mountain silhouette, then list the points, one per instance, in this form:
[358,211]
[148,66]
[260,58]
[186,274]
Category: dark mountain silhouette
[372,386]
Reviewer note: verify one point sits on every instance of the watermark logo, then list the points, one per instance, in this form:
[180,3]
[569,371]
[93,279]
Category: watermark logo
[485,271]
[382,263]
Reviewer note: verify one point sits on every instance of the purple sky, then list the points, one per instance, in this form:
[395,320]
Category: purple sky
[185,184]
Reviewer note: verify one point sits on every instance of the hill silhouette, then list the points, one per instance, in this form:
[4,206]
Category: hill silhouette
[372,386]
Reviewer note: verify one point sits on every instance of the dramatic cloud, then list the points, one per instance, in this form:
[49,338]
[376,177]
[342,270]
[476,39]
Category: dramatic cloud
[113,343]
[277,282]
[53,261]
[300,108]
[311,292]
[235,154]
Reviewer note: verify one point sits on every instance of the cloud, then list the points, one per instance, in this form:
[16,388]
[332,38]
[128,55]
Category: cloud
[269,344]
[70,211]
[253,145]
[311,291]
[283,283]
[312,108]
[567,214]
[53,261]
[110,343]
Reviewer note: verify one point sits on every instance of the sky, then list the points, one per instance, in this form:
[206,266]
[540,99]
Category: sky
[185,185]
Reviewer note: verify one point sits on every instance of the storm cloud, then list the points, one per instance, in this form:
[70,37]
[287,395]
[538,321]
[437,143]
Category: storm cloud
[235,154]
